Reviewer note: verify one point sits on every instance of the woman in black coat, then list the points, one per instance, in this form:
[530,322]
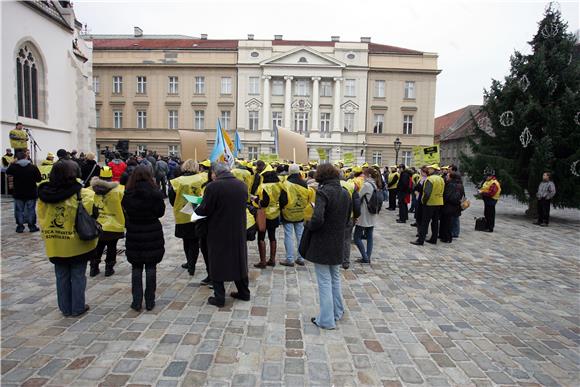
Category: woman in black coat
[143,206]
[89,169]
[452,196]
[326,228]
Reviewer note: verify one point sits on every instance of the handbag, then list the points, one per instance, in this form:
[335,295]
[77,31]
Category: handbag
[305,242]
[465,203]
[261,219]
[86,226]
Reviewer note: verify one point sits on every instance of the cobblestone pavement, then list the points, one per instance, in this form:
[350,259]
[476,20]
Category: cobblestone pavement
[488,309]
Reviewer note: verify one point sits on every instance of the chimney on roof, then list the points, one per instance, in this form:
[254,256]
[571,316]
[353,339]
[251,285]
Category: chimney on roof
[277,37]
[137,32]
[203,36]
[335,38]
[250,36]
[365,39]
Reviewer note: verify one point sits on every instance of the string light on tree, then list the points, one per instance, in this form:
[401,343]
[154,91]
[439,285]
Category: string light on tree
[526,137]
[524,83]
[507,118]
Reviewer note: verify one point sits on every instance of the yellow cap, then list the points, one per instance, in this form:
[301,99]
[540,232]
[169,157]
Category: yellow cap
[106,172]
[357,169]
[206,163]
[445,167]
[376,166]
[50,155]
[365,165]
[434,166]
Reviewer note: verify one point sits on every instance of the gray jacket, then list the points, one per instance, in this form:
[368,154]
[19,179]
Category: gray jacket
[366,219]
[546,190]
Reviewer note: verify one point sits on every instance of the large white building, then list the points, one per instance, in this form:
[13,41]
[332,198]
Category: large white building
[46,77]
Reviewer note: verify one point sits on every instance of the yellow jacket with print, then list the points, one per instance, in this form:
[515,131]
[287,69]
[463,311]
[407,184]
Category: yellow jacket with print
[108,196]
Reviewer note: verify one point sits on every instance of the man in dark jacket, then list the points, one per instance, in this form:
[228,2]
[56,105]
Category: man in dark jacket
[25,175]
[224,205]
[404,186]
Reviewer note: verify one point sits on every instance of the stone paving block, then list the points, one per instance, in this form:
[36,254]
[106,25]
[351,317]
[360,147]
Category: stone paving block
[175,369]
[409,375]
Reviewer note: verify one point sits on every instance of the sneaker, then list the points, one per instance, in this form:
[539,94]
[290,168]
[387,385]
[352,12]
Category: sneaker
[19,229]
[287,263]
[33,229]
[300,262]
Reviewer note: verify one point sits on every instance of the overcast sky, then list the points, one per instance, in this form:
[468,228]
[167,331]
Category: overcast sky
[474,39]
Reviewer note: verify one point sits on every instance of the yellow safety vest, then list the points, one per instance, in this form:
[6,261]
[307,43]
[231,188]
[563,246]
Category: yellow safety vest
[111,215]
[243,175]
[436,198]
[297,201]
[282,178]
[250,220]
[349,185]
[44,172]
[20,140]
[309,210]
[416,178]
[273,190]
[57,225]
[390,179]
[486,185]
[8,159]
[189,185]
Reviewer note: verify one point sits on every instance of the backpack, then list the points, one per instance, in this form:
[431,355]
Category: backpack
[375,203]
[480,224]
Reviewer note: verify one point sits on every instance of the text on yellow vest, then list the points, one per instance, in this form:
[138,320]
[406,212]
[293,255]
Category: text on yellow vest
[111,215]
[273,190]
[297,201]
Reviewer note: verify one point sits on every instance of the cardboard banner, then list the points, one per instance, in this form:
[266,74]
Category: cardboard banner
[348,159]
[193,145]
[322,156]
[292,146]
[425,155]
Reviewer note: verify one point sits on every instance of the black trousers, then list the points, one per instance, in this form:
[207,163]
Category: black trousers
[392,199]
[544,211]
[191,248]
[430,215]
[445,227]
[110,258]
[403,209]
[137,283]
[489,212]
[220,290]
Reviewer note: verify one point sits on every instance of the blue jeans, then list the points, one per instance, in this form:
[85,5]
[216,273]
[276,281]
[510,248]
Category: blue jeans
[455,227]
[71,283]
[25,212]
[289,230]
[330,295]
[358,232]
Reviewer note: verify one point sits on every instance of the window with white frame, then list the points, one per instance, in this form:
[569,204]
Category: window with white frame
[325,122]
[173,116]
[141,85]
[326,89]
[199,119]
[253,120]
[407,124]
[302,87]
[378,158]
[141,119]
[277,87]
[96,84]
[350,88]
[348,122]
[117,84]
[276,119]
[199,85]
[98,118]
[301,122]
[252,152]
[173,85]
[141,148]
[379,89]
[379,123]
[226,85]
[173,150]
[407,158]
[409,89]
[254,86]
[225,119]
[117,119]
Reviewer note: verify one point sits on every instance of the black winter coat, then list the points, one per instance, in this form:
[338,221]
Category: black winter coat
[25,175]
[224,204]
[452,196]
[331,216]
[143,206]
[86,173]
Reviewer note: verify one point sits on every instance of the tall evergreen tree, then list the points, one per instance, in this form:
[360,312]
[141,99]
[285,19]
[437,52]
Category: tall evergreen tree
[531,121]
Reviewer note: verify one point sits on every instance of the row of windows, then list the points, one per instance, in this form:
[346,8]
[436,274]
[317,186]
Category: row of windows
[379,123]
[406,157]
[302,86]
[172,119]
[172,85]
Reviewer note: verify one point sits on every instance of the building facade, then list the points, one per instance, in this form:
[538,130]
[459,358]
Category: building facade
[342,96]
[452,133]
[46,73]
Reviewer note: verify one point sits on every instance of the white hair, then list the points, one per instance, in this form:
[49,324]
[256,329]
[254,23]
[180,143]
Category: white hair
[219,167]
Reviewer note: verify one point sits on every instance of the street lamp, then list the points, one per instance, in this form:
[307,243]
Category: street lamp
[397,144]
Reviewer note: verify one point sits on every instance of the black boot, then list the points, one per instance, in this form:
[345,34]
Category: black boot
[109,271]
[94,270]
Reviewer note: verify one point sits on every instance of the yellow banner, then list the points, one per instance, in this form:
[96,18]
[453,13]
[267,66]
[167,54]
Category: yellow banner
[348,159]
[322,156]
[424,155]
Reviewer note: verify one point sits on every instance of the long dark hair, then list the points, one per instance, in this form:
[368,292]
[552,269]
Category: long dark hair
[63,173]
[371,172]
[141,173]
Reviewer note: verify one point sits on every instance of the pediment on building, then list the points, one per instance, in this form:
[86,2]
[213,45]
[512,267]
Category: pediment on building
[303,56]
[253,105]
[349,107]
[301,104]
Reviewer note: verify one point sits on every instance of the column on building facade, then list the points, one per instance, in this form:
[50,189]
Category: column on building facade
[266,103]
[315,104]
[336,106]
[288,103]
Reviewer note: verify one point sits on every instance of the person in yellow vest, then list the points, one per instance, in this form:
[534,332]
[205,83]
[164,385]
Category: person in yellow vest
[269,197]
[189,183]
[293,203]
[8,158]
[432,200]
[19,138]
[351,188]
[490,191]
[46,167]
[241,173]
[392,181]
[108,197]
[415,177]
[260,167]
[57,208]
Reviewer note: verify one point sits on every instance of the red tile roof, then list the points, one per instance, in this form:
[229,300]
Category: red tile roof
[375,48]
[319,43]
[159,44]
[455,124]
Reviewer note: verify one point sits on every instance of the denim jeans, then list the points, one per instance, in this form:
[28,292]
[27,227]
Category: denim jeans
[289,230]
[71,283]
[330,294]
[25,212]
[455,227]
[358,231]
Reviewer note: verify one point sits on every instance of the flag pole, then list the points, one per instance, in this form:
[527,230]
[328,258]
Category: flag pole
[294,155]
[195,154]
